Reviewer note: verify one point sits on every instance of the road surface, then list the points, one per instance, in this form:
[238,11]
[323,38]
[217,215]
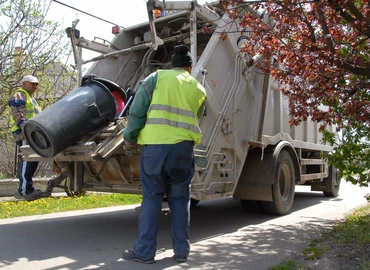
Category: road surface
[223,235]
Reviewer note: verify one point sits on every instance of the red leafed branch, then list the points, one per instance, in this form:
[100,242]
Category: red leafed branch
[322,51]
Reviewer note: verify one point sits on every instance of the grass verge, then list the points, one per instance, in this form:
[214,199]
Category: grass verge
[42,206]
[356,228]
[346,246]
[313,251]
[289,265]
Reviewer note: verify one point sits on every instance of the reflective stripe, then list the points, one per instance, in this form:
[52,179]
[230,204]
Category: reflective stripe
[31,111]
[171,110]
[162,121]
[172,114]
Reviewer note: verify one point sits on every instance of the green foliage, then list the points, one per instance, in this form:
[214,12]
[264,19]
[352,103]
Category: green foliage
[62,204]
[351,154]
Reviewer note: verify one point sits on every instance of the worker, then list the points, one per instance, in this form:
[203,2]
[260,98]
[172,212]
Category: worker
[23,107]
[163,119]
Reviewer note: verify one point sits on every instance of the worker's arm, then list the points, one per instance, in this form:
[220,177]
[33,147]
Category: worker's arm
[17,104]
[138,110]
[201,110]
[202,107]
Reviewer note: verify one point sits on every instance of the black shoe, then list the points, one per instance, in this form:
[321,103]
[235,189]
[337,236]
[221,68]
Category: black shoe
[18,196]
[180,258]
[130,255]
[36,194]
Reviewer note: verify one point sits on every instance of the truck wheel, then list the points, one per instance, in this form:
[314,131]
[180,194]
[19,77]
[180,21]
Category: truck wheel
[252,206]
[332,183]
[283,187]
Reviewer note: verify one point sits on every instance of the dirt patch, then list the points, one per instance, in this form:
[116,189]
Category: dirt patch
[334,255]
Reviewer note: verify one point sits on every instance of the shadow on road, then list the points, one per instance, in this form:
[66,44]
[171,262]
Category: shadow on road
[223,236]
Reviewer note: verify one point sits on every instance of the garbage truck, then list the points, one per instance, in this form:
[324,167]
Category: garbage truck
[248,150]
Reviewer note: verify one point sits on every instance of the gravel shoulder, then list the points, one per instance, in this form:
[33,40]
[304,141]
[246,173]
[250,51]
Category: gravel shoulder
[337,255]
[330,251]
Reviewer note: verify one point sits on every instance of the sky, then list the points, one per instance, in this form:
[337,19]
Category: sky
[121,12]
[124,13]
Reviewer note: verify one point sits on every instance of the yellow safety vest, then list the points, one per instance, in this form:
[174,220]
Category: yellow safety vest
[31,109]
[172,114]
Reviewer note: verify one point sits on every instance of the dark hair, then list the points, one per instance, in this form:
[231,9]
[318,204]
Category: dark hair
[181,57]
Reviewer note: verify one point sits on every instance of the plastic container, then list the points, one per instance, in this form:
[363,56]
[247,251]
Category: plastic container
[84,110]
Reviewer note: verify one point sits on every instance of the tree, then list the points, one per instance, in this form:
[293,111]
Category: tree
[319,53]
[29,44]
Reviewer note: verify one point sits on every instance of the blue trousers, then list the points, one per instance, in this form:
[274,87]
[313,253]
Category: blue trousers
[26,170]
[165,169]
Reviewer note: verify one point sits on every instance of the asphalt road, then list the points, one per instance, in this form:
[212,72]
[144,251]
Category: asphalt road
[223,235]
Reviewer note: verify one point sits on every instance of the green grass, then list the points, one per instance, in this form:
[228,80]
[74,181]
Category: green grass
[356,228]
[313,252]
[289,265]
[12,209]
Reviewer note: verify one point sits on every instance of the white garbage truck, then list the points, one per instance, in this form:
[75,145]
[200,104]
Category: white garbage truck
[248,151]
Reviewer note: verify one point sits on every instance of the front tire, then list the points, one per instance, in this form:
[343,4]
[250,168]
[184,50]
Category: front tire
[283,187]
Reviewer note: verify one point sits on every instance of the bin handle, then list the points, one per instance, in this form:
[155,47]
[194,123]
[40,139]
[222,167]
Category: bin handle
[91,108]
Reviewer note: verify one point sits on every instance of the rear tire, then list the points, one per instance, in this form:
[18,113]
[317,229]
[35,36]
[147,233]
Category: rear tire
[332,182]
[283,187]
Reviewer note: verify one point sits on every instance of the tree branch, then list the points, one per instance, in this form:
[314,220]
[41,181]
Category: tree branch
[345,15]
[329,41]
[355,11]
[11,31]
[310,28]
[356,70]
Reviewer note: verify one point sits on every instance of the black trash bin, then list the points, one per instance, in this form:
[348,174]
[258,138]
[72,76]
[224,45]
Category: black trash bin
[86,109]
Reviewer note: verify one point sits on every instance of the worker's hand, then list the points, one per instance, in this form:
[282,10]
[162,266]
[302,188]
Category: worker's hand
[130,149]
